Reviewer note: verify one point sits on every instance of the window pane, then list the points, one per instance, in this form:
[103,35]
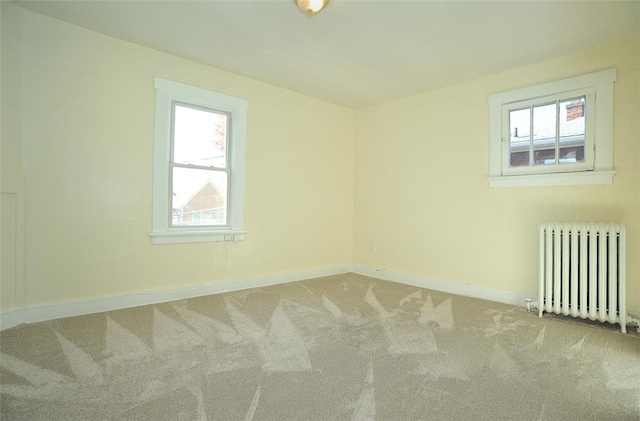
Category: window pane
[544,134]
[199,137]
[199,197]
[519,142]
[572,130]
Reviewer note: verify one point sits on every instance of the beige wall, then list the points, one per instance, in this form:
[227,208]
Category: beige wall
[11,171]
[83,126]
[422,195]
[87,113]
[10,82]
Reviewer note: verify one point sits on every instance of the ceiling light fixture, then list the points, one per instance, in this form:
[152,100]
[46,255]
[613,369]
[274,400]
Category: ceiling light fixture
[310,7]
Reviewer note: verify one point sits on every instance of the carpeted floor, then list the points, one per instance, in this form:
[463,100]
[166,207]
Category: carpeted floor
[345,347]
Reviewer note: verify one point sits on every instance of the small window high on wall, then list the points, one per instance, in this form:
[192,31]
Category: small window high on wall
[558,133]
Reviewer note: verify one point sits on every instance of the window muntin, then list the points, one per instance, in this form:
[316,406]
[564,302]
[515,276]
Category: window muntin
[549,134]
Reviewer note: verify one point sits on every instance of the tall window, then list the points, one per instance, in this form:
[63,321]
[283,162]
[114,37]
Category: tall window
[558,133]
[199,150]
[199,167]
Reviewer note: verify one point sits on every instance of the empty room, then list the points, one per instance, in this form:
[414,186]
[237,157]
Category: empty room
[320,210]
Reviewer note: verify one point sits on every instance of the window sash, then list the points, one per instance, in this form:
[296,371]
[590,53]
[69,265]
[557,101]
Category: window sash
[226,169]
[227,208]
[228,137]
[558,167]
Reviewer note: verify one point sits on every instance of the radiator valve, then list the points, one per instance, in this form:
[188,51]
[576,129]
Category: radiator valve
[529,303]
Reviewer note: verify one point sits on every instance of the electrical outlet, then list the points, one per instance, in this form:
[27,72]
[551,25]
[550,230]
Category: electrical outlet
[374,248]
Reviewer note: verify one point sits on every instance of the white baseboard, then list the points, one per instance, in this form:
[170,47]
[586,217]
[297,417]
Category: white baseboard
[468,290]
[11,318]
[41,313]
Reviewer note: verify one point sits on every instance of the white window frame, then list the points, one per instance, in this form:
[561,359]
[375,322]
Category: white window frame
[600,131]
[588,163]
[167,93]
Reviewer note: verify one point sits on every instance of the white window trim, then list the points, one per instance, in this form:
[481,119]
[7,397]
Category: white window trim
[167,92]
[602,173]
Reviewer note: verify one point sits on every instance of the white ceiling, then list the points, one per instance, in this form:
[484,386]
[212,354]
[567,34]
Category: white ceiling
[357,53]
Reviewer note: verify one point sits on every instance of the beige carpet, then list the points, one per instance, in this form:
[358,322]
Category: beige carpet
[345,347]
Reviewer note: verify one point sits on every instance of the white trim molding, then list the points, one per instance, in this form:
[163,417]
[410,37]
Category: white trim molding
[557,179]
[482,292]
[46,312]
[39,313]
[167,93]
[601,84]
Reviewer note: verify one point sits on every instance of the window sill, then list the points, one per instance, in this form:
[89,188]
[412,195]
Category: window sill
[557,179]
[176,237]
